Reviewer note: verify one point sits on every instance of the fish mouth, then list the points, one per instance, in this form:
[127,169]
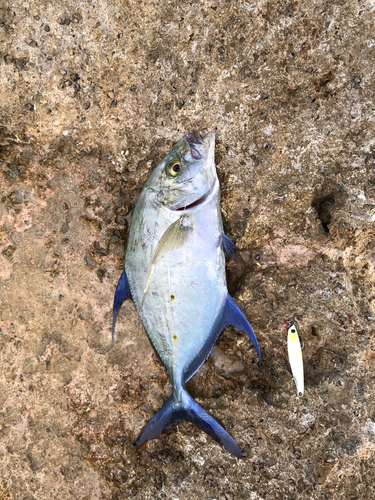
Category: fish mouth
[198,150]
[197,202]
[195,140]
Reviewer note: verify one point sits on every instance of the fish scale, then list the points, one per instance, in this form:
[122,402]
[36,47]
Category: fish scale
[175,274]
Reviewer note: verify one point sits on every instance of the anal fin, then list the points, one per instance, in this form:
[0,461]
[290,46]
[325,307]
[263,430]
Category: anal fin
[232,316]
[235,317]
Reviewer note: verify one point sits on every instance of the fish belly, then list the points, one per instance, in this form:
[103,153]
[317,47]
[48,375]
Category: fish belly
[187,291]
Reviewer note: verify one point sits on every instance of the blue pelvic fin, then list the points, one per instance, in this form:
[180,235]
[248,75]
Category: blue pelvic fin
[122,293]
[229,248]
[232,316]
[185,408]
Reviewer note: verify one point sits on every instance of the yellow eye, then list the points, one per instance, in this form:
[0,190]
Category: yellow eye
[174,168]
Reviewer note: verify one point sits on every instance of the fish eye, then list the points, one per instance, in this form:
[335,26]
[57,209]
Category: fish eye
[174,168]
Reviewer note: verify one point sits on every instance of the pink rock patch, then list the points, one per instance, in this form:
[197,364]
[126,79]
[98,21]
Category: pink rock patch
[291,255]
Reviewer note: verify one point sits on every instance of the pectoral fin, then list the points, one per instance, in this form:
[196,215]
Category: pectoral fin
[174,237]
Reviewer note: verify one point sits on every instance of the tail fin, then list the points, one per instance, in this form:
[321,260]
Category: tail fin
[187,409]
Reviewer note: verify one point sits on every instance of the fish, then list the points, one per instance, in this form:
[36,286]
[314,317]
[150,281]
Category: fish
[295,356]
[174,273]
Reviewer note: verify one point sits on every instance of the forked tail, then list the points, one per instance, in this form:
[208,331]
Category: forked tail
[181,407]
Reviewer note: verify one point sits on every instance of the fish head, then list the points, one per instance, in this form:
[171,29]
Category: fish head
[186,176]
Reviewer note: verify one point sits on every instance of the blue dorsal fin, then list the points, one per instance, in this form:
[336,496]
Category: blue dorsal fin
[232,316]
[229,248]
[122,293]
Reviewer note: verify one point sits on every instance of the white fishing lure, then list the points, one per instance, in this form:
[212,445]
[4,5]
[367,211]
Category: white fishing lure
[295,358]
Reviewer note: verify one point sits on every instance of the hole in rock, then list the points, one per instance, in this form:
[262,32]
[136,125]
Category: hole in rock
[323,206]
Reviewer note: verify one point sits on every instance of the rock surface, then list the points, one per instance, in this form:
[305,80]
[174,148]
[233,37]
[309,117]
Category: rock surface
[93,95]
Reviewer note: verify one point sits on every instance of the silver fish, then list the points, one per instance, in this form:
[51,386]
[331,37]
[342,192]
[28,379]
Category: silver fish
[175,275]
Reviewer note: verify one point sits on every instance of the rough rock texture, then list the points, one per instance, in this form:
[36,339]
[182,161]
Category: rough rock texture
[93,95]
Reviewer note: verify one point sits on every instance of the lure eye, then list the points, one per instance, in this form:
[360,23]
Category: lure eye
[174,168]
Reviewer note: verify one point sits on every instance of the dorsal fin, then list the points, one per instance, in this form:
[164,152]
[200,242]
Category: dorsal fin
[122,293]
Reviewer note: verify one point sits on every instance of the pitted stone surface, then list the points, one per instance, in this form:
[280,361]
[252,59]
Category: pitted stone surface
[93,95]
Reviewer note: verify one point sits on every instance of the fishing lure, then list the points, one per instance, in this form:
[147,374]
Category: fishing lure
[295,356]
